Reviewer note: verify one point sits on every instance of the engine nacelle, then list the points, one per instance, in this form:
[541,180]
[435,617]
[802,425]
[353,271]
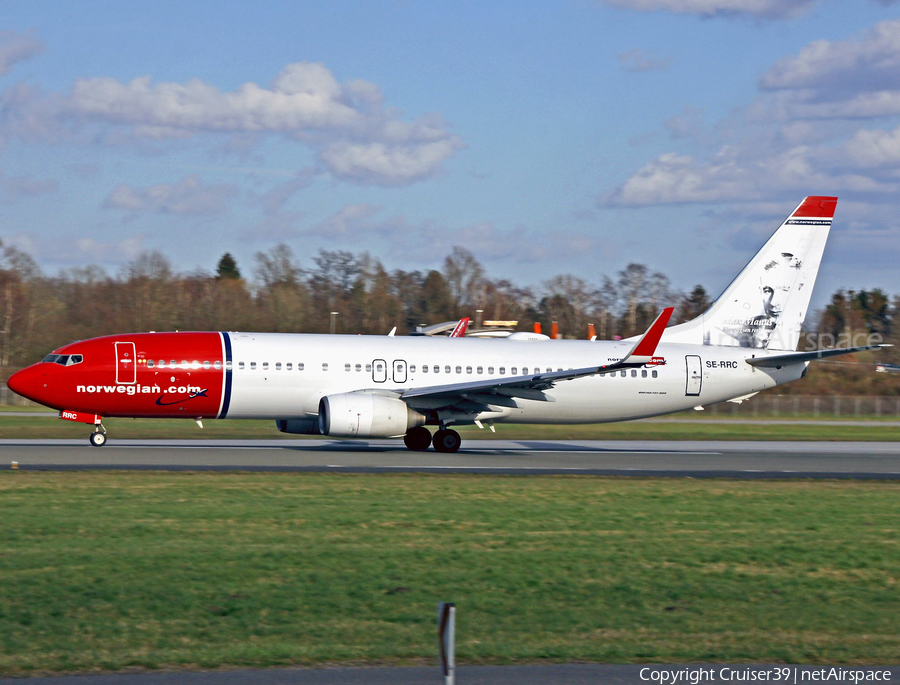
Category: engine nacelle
[308,426]
[363,415]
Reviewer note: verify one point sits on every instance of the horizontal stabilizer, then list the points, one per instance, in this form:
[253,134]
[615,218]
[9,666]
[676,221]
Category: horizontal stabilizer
[779,360]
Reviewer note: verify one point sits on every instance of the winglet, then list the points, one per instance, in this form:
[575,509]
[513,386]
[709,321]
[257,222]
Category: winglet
[459,331]
[645,348]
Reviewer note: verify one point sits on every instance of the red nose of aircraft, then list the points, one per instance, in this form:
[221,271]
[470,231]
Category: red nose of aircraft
[32,382]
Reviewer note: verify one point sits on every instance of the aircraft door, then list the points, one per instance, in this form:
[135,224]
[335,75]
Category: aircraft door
[694,374]
[126,363]
[379,371]
[399,371]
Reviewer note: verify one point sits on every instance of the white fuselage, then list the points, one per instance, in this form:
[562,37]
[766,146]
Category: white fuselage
[285,375]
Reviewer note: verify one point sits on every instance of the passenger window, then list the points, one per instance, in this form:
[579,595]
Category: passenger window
[458,369]
[469,369]
[241,365]
[359,367]
[206,365]
[424,368]
[634,373]
[480,370]
[524,369]
[513,370]
[643,373]
[347,367]
[623,373]
[502,370]
[253,366]
[288,366]
[195,364]
[324,366]
[299,366]
[173,364]
[549,370]
[150,363]
[412,368]
[490,370]
[265,366]
[217,365]
[654,373]
[436,369]
[368,368]
[446,369]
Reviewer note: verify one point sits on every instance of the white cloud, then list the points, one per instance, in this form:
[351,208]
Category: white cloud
[17,187]
[868,62]
[363,227]
[349,222]
[801,135]
[348,127]
[872,148]
[16,47]
[356,137]
[187,197]
[70,249]
[638,60]
[761,9]
[387,164]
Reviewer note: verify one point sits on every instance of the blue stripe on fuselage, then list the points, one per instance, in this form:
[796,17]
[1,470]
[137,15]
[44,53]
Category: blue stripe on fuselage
[226,398]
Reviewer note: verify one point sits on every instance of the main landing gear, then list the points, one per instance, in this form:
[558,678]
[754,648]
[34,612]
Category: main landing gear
[445,440]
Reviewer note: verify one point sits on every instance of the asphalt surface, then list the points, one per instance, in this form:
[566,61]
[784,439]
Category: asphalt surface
[697,459]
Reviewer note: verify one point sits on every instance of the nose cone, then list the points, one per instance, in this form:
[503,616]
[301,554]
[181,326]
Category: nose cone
[30,383]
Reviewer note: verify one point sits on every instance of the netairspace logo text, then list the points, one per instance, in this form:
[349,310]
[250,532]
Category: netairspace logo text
[783,674]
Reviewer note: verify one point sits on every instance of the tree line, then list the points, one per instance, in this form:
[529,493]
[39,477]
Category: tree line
[39,312]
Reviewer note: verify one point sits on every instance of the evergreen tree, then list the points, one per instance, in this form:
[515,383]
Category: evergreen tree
[227,268]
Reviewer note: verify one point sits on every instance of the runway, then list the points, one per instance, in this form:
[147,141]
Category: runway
[681,459]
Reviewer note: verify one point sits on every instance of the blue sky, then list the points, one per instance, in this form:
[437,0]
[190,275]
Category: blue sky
[546,138]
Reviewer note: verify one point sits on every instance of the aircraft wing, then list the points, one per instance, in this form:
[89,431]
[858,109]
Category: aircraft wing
[532,386]
[779,360]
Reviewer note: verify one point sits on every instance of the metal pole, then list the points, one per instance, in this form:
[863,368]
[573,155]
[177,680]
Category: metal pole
[447,640]
[334,321]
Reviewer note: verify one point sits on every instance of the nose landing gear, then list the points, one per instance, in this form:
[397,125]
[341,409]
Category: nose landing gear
[98,437]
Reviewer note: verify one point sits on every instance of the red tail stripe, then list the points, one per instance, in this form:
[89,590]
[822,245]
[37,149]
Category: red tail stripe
[817,206]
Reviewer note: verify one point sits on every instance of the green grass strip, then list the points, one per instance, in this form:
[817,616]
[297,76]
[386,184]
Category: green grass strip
[121,570]
[45,427]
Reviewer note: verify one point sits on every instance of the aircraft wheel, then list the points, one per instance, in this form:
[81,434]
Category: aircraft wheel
[418,438]
[447,440]
[98,439]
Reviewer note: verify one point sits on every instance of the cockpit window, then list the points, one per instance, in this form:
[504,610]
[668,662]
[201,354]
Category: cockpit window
[64,359]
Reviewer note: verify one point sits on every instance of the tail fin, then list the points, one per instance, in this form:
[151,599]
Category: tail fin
[459,330]
[764,307]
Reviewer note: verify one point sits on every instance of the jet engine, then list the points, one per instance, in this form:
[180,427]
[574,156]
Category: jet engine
[363,415]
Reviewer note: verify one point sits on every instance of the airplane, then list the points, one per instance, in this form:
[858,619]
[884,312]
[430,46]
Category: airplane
[350,386]
[459,330]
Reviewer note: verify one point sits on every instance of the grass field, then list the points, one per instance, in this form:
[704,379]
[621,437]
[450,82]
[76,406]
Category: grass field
[121,570]
[39,426]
